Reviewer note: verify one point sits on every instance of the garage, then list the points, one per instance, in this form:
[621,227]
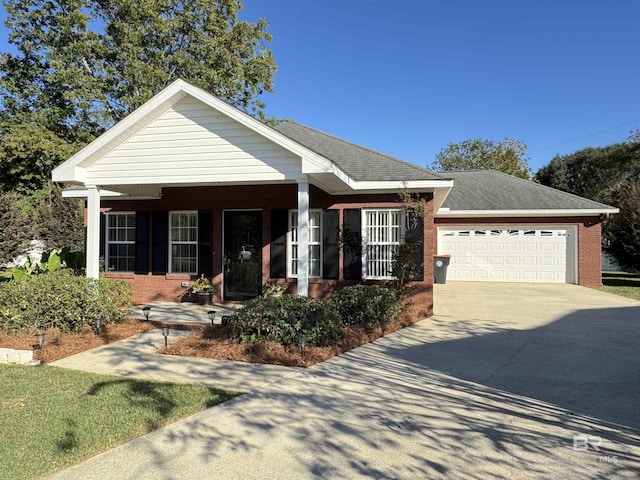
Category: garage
[510,253]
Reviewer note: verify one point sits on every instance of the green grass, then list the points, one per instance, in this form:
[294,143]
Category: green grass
[51,417]
[621,283]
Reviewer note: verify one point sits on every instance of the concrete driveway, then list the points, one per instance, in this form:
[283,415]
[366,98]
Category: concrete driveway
[505,381]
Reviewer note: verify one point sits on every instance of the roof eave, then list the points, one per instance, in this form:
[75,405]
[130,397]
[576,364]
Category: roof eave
[587,212]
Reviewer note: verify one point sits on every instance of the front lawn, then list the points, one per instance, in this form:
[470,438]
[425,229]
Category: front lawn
[621,283]
[52,417]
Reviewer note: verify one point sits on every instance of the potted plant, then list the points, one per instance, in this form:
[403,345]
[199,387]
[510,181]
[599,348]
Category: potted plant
[204,289]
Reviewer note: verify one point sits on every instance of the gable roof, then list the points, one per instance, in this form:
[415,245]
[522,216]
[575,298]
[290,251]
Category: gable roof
[360,163]
[483,192]
[331,163]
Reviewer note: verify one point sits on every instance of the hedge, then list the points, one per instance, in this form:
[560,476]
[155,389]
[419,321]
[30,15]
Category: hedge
[61,300]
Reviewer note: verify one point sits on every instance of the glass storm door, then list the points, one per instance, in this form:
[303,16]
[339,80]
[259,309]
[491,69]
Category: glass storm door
[242,254]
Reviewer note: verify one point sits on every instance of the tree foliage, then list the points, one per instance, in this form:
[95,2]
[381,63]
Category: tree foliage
[508,156]
[43,215]
[610,175]
[16,230]
[82,65]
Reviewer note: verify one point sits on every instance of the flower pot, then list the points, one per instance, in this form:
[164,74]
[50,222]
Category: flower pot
[205,298]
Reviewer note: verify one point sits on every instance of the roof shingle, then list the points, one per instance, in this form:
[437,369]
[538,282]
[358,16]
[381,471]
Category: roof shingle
[493,190]
[360,163]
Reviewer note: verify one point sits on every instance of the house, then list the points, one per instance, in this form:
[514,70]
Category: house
[189,185]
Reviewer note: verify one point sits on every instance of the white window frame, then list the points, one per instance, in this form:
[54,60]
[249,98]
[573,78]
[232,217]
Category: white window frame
[182,242]
[378,239]
[291,243]
[108,242]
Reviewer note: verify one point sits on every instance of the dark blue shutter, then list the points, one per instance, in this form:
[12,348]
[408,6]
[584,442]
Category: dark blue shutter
[103,235]
[352,241]
[205,234]
[330,244]
[142,243]
[278,259]
[415,235]
[160,222]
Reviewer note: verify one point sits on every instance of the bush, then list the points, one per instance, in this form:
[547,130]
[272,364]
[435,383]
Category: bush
[61,300]
[281,319]
[367,305]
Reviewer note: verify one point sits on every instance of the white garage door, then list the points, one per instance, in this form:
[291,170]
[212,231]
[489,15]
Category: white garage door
[509,254]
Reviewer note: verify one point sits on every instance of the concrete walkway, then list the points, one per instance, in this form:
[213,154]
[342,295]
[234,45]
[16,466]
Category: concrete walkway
[405,407]
[136,357]
[183,313]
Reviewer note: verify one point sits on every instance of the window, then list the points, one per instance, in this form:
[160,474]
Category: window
[382,234]
[315,243]
[121,242]
[183,237]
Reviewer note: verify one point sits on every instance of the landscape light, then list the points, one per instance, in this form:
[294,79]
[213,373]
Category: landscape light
[146,311]
[165,333]
[40,340]
[212,316]
[302,342]
[98,325]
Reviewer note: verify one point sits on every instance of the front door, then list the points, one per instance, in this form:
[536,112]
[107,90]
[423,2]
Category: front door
[242,254]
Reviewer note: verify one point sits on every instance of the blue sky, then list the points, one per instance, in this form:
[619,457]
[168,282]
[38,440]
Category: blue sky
[410,76]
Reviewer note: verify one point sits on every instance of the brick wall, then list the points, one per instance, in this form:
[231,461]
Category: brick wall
[588,245]
[168,287]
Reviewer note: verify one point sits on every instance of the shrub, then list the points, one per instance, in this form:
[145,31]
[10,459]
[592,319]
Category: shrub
[61,300]
[367,305]
[281,319]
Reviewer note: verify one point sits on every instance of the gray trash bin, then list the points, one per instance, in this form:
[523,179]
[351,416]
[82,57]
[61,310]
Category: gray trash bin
[440,264]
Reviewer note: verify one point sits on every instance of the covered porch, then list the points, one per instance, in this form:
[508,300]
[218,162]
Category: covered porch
[187,185]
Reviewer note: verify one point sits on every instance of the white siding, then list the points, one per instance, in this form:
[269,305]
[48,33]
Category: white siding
[193,143]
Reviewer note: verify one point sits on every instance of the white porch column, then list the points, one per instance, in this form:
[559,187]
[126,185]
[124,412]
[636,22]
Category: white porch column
[303,237]
[93,231]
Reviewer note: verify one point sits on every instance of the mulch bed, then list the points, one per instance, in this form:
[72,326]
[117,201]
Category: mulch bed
[59,344]
[207,342]
[217,342]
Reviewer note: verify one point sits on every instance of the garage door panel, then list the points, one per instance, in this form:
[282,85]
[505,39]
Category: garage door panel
[508,254]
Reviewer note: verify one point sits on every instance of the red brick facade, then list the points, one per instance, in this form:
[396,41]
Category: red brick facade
[168,287]
[588,245]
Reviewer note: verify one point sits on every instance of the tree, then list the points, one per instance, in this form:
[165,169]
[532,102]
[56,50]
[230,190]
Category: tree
[82,65]
[508,156]
[609,175]
[16,231]
[623,232]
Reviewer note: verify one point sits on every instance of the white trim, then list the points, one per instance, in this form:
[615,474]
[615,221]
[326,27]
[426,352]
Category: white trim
[303,237]
[365,241]
[93,232]
[290,274]
[80,192]
[107,242]
[66,172]
[171,242]
[445,213]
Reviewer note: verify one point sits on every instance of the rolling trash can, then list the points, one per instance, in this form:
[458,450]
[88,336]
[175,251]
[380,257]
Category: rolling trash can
[440,264]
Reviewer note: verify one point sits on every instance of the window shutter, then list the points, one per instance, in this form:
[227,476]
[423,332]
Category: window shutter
[330,244]
[415,235]
[352,254]
[142,243]
[160,228]
[205,254]
[103,235]
[279,227]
